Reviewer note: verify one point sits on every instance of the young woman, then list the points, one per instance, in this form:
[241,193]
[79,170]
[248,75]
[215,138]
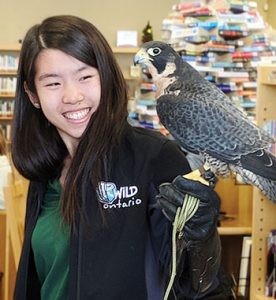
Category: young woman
[94,229]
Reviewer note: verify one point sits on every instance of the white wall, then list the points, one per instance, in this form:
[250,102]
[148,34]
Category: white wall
[16,16]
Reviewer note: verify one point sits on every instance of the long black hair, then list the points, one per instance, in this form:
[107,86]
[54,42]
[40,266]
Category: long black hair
[38,151]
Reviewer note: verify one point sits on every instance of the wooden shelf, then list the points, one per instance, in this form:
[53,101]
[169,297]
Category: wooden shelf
[8,72]
[7,96]
[234,227]
[127,78]
[235,230]
[261,297]
[125,50]
[6,118]
[10,48]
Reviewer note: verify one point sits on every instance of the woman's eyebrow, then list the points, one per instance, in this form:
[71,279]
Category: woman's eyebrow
[82,69]
[54,75]
[47,75]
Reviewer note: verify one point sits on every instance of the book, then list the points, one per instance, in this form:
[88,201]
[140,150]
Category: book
[233,34]
[187,5]
[270,286]
[220,48]
[232,74]
[243,283]
[196,11]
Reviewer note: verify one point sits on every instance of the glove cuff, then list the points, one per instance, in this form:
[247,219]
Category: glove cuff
[204,262]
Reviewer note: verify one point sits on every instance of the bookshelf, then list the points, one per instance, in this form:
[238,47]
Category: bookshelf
[236,202]
[238,206]
[125,50]
[264,211]
[124,56]
[8,69]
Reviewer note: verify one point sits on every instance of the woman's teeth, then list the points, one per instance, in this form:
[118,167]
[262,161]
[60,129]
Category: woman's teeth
[76,115]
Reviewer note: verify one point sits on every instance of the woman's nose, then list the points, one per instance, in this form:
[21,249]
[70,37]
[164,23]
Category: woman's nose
[72,94]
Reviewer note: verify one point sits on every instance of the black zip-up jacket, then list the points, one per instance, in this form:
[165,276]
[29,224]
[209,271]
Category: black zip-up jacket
[128,258]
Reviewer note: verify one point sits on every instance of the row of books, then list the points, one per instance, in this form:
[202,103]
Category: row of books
[7,85]
[8,62]
[7,131]
[144,112]
[6,108]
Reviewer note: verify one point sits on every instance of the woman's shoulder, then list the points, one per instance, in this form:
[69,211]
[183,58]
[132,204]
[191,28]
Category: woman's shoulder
[150,141]
[165,156]
[140,134]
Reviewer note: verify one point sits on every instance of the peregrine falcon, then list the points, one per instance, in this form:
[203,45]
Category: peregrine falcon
[204,121]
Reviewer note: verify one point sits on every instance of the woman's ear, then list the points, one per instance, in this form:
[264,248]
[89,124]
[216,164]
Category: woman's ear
[33,98]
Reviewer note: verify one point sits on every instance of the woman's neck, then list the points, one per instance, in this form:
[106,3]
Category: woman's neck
[66,166]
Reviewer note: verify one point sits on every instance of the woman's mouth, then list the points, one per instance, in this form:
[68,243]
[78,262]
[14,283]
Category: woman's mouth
[77,115]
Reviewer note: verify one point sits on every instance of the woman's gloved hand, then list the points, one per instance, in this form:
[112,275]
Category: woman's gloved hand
[199,238]
[204,221]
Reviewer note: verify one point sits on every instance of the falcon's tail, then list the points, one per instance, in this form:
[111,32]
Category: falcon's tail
[259,169]
[266,186]
[261,163]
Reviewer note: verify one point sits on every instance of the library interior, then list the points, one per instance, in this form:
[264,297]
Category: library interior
[232,44]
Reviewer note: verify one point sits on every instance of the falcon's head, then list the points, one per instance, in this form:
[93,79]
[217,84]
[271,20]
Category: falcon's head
[158,57]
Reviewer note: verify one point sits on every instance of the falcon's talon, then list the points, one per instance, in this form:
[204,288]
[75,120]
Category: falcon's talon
[209,176]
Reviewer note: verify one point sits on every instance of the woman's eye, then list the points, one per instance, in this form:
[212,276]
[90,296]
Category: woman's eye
[85,77]
[52,84]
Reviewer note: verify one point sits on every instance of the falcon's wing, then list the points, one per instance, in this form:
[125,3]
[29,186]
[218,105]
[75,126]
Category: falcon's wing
[203,119]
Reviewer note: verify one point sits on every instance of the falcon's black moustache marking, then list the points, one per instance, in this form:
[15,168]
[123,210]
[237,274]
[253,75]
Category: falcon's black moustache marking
[160,65]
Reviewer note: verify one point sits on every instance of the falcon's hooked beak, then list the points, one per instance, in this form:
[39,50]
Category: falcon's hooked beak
[141,57]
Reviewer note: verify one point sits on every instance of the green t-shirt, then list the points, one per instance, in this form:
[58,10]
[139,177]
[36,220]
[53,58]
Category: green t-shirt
[50,243]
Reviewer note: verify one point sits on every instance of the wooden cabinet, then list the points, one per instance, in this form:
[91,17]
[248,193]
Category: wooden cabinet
[264,211]
[8,69]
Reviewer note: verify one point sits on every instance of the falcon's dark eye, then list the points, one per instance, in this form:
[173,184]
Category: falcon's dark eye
[154,51]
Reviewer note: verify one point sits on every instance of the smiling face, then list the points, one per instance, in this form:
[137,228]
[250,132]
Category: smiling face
[68,92]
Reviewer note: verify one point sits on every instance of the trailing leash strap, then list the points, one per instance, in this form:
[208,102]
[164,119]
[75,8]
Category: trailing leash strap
[183,215]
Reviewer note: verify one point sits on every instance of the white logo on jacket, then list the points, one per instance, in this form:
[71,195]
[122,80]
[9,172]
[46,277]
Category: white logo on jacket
[112,197]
